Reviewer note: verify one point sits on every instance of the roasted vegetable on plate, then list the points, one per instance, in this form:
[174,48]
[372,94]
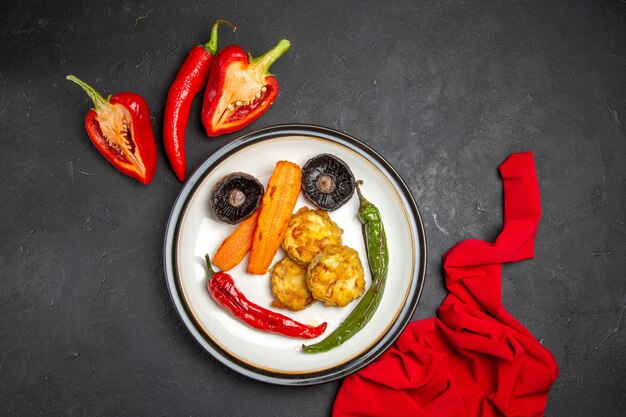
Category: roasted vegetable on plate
[224,292]
[378,261]
[308,232]
[277,205]
[316,266]
[235,197]
[327,181]
[288,284]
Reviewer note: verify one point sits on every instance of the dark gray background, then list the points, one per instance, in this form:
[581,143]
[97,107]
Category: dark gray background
[445,90]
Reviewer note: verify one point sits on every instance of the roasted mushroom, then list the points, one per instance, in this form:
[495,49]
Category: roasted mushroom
[327,182]
[235,197]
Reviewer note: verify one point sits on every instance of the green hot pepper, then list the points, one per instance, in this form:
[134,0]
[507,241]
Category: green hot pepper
[378,259]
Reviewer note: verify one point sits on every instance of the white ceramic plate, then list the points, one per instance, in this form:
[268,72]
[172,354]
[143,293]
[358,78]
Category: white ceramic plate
[192,232]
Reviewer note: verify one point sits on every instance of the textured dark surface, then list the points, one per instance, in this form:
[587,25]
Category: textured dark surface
[445,90]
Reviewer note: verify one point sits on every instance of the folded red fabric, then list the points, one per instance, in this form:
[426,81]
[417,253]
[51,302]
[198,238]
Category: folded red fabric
[475,359]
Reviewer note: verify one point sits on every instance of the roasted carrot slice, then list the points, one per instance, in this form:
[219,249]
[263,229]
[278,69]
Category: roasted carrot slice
[277,205]
[235,246]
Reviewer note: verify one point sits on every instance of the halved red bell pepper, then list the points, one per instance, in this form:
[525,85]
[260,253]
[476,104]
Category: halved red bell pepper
[240,88]
[120,129]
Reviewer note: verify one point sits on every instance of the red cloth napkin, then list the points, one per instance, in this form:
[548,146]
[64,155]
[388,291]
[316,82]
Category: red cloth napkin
[475,359]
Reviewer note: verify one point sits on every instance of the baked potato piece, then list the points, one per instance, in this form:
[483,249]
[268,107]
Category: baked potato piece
[310,231]
[288,283]
[335,276]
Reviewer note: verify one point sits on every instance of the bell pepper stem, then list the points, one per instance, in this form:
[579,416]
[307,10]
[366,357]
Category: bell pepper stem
[211,45]
[98,101]
[267,59]
[209,266]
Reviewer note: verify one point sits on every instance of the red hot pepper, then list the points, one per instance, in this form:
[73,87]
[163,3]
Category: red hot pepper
[189,81]
[224,292]
[120,129]
[240,88]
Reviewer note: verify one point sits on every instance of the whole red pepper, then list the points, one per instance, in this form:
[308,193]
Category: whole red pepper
[240,88]
[224,292]
[120,129]
[189,81]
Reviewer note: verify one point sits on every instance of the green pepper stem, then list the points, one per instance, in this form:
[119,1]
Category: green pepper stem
[267,59]
[209,266]
[363,202]
[98,101]
[211,45]
[358,189]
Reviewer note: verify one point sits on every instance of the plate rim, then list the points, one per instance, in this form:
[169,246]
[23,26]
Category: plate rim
[292,379]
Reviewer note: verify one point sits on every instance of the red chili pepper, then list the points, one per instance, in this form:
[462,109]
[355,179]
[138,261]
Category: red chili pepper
[120,129]
[189,81]
[240,88]
[224,292]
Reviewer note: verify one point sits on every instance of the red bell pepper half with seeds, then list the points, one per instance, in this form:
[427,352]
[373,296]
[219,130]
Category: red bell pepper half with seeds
[240,88]
[120,129]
